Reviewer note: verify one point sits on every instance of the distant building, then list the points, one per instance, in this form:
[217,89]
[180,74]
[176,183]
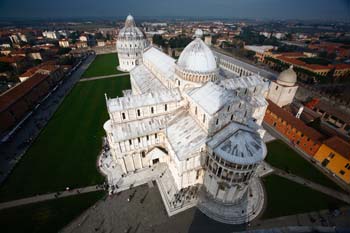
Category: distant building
[64,43]
[207,40]
[23,37]
[51,35]
[84,37]
[283,90]
[81,44]
[35,55]
[14,39]
[101,43]
[260,51]
[130,45]
[334,154]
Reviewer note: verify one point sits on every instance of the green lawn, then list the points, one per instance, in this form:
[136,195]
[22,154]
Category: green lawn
[65,152]
[104,64]
[285,197]
[48,216]
[280,155]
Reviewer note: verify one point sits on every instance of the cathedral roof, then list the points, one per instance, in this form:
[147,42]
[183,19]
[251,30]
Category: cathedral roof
[211,97]
[287,77]
[145,80]
[164,64]
[185,136]
[147,99]
[197,57]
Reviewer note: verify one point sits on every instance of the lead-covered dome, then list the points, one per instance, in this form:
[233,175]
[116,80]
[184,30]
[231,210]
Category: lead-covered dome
[287,77]
[197,62]
[197,56]
[130,30]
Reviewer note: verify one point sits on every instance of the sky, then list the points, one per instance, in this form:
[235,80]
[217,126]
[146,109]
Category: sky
[256,9]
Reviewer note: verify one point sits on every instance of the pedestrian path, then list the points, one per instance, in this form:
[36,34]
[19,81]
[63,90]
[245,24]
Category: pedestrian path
[50,196]
[102,77]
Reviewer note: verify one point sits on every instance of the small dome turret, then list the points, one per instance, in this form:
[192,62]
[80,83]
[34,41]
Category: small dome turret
[287,77]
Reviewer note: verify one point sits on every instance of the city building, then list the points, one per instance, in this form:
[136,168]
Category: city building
[130,45]
[334,154]
[18,101]
[101,43]
[198,120]
[302,136]
[51,35]
[260,51]
[283,90]
[64,43]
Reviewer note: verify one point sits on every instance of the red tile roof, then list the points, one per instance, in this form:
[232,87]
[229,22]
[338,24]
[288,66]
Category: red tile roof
[296,123]
[47,66]
[14,94]
[339,145]
[333,110]
[13,59]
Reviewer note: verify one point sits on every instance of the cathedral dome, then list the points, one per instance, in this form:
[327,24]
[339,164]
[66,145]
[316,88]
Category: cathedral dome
[197,56]
[130,30]
[287,77]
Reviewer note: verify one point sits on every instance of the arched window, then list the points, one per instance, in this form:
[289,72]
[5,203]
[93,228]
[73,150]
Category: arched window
[152,110]
[166,107]
[138,112]
[123,115]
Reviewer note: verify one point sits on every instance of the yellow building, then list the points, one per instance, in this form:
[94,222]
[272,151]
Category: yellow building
[334,154]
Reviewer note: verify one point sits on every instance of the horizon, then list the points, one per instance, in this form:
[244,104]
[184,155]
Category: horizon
[312,10]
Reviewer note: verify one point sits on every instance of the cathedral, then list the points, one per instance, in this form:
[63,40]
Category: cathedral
[198,118]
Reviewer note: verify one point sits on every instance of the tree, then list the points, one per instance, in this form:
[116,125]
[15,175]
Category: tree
[158,39]
[5,67]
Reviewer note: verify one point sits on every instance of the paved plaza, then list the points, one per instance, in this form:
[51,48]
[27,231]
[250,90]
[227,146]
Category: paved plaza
[145,212]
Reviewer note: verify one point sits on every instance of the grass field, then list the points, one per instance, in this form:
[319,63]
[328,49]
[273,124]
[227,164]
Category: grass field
[65,152]
[46,217]
[104,64]
[281,156]
[285,197]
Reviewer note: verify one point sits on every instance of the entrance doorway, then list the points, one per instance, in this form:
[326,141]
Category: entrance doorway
[155,161]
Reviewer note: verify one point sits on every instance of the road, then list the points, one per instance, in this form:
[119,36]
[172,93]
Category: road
[12,150]
[102,77]
[50,196]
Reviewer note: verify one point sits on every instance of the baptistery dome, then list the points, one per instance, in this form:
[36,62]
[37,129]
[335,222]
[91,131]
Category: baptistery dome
[130,45]
[287,77]
[130,30]
[197,62]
